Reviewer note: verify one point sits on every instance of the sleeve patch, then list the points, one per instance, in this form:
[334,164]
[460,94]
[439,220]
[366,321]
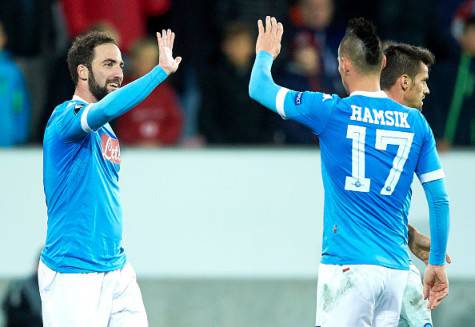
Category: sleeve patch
[298,98]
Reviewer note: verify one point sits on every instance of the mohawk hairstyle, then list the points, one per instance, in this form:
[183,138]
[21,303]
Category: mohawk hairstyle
[362,45]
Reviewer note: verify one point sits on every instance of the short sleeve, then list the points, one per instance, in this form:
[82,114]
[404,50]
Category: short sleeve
[312,109]
[428,167]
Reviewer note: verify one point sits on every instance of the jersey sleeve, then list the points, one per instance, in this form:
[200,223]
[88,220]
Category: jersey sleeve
[70,122]
[428,167]
[312,109]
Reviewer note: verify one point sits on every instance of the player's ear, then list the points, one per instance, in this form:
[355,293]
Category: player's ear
[83,72]
[383,62]
[345,64]
[404,82]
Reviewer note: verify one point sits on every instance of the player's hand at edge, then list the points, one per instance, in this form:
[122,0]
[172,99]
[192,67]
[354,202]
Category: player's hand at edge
[165,47]
[436,285]
[269,37]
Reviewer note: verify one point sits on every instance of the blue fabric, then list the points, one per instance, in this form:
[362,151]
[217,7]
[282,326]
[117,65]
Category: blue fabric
[14,103]
[371,146]
[81,175]
[439,220]
[116,103]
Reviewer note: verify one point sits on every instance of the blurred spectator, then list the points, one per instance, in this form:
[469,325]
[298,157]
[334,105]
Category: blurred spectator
[303,72]
[35,33]
[158,119]
[248,11]
[22,303]
[14,101]
[228,115]
[312,24]
[452,99]
[129,17]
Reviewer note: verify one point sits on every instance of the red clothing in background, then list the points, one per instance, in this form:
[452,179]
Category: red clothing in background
[128,17]
[158,120]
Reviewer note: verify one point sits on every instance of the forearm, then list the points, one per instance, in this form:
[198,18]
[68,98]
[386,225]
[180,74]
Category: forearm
[410,233]
[262,87]
[122,100]
[439,220]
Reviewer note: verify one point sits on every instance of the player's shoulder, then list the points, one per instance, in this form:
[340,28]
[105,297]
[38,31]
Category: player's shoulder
[311,97]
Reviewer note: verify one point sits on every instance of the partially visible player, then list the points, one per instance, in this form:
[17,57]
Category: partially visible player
[84,277]
[404,79]
[371,146]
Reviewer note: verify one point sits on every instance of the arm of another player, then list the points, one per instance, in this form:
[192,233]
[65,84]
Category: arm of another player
[309,108]
[122,100]
[419,244]
[436,284]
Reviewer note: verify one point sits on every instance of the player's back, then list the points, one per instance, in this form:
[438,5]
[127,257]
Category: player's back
[370,150]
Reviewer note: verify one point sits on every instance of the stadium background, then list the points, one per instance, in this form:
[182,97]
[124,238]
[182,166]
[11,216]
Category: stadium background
[223,229]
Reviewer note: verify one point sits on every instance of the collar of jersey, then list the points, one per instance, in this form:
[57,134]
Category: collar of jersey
[77,97]
[377,94]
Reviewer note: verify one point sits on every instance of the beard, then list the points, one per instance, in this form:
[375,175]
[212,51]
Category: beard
[99,92]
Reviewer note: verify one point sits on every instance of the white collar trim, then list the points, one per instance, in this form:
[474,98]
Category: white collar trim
[377,94]
[77,97]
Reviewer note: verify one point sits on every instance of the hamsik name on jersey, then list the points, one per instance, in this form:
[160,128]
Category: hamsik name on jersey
[380,117]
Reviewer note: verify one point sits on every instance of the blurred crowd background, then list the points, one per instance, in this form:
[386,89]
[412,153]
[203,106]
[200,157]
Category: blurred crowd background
[206,103]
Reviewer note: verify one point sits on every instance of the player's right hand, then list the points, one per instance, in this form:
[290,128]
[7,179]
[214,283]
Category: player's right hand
[165,48]
[436,285]
[270,37]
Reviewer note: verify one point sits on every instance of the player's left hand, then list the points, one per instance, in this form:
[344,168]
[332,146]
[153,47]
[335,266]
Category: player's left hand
[270,37]
[165,48]
[436,285]
[419,244]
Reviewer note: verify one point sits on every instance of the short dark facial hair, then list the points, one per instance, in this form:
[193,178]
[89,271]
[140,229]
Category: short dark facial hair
[99,92]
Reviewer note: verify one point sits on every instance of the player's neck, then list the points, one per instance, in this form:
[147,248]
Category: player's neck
[395,95]
[84,94]
[366,84]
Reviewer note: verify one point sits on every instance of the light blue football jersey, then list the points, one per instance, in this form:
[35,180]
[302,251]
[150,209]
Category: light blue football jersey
[80,177]
[371,146]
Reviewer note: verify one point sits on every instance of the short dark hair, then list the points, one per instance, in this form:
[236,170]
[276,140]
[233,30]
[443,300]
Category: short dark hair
[362,45]
[402,58]
[82,50]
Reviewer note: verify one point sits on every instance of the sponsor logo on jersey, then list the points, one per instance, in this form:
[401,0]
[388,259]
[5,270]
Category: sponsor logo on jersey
[110,149]
[298,98]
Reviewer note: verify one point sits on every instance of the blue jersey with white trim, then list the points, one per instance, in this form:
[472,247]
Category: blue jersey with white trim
[371,146]
[81,169]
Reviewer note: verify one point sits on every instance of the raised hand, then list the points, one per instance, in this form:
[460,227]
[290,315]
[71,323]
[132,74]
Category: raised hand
[436,285]
[165,48]
[270,37]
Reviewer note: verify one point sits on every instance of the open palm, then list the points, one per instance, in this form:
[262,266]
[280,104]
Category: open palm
[165,47]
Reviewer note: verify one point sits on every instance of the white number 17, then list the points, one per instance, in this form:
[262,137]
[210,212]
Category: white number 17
[357,181]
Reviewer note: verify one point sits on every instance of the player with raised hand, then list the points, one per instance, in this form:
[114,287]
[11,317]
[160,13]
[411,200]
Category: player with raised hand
[371,146]
[84,277]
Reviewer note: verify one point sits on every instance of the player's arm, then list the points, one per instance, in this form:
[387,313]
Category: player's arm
[419,244]
[122,100]
[309,108]
[430,173]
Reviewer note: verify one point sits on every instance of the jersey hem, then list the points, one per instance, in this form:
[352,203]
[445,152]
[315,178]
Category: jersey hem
[79,270]
[330,261]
